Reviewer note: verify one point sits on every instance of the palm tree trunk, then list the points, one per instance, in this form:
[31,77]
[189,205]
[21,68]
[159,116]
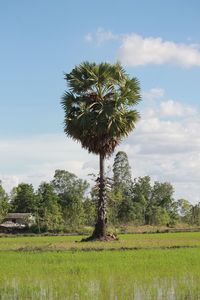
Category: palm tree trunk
[100,226]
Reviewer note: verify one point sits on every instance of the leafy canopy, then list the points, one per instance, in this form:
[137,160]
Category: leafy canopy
[122,172]
[99,106]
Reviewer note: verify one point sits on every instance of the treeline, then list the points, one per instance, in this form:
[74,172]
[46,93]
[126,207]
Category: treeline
[67,202]
[144,202]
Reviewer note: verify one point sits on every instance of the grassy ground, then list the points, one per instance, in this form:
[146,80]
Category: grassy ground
[126,241]
[145,274]
[57,271]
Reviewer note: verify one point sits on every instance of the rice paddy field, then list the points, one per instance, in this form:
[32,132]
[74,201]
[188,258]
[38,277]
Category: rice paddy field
[138,266]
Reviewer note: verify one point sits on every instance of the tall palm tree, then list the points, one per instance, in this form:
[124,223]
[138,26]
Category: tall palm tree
[99,113]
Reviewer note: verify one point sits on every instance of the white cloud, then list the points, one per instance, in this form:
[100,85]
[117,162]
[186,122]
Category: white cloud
[157,106]
[153,94]
[173,108]
[105,35]
[88,37]
[168,149]
[35,159]
[101,36]
[9,181]
[136,50]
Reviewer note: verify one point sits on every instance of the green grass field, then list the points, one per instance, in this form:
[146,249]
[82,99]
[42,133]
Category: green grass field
[56,268]
[126,241]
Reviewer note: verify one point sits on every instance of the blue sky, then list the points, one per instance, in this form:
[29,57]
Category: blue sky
[156,41]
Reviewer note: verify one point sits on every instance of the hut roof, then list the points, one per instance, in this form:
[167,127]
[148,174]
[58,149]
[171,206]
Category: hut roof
[17,215]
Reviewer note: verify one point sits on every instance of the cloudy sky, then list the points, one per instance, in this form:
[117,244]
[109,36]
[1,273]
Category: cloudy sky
[156,41]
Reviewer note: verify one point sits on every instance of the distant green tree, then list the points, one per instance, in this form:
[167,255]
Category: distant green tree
[162,196]
[195,214]
[115,198]
[4,204]
[126,210]
[23,198]
[142,194]
[174,214]
[71,192]
[160,216]
[72,208]
[121,172]
[185,210]
[153,203]
[120,206]
[48,212]
[89,208]
[64,182]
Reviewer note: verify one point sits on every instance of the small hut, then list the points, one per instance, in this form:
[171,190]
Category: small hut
[15,221]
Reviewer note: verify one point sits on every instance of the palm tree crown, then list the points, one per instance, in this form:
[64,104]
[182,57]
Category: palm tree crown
[99,106]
